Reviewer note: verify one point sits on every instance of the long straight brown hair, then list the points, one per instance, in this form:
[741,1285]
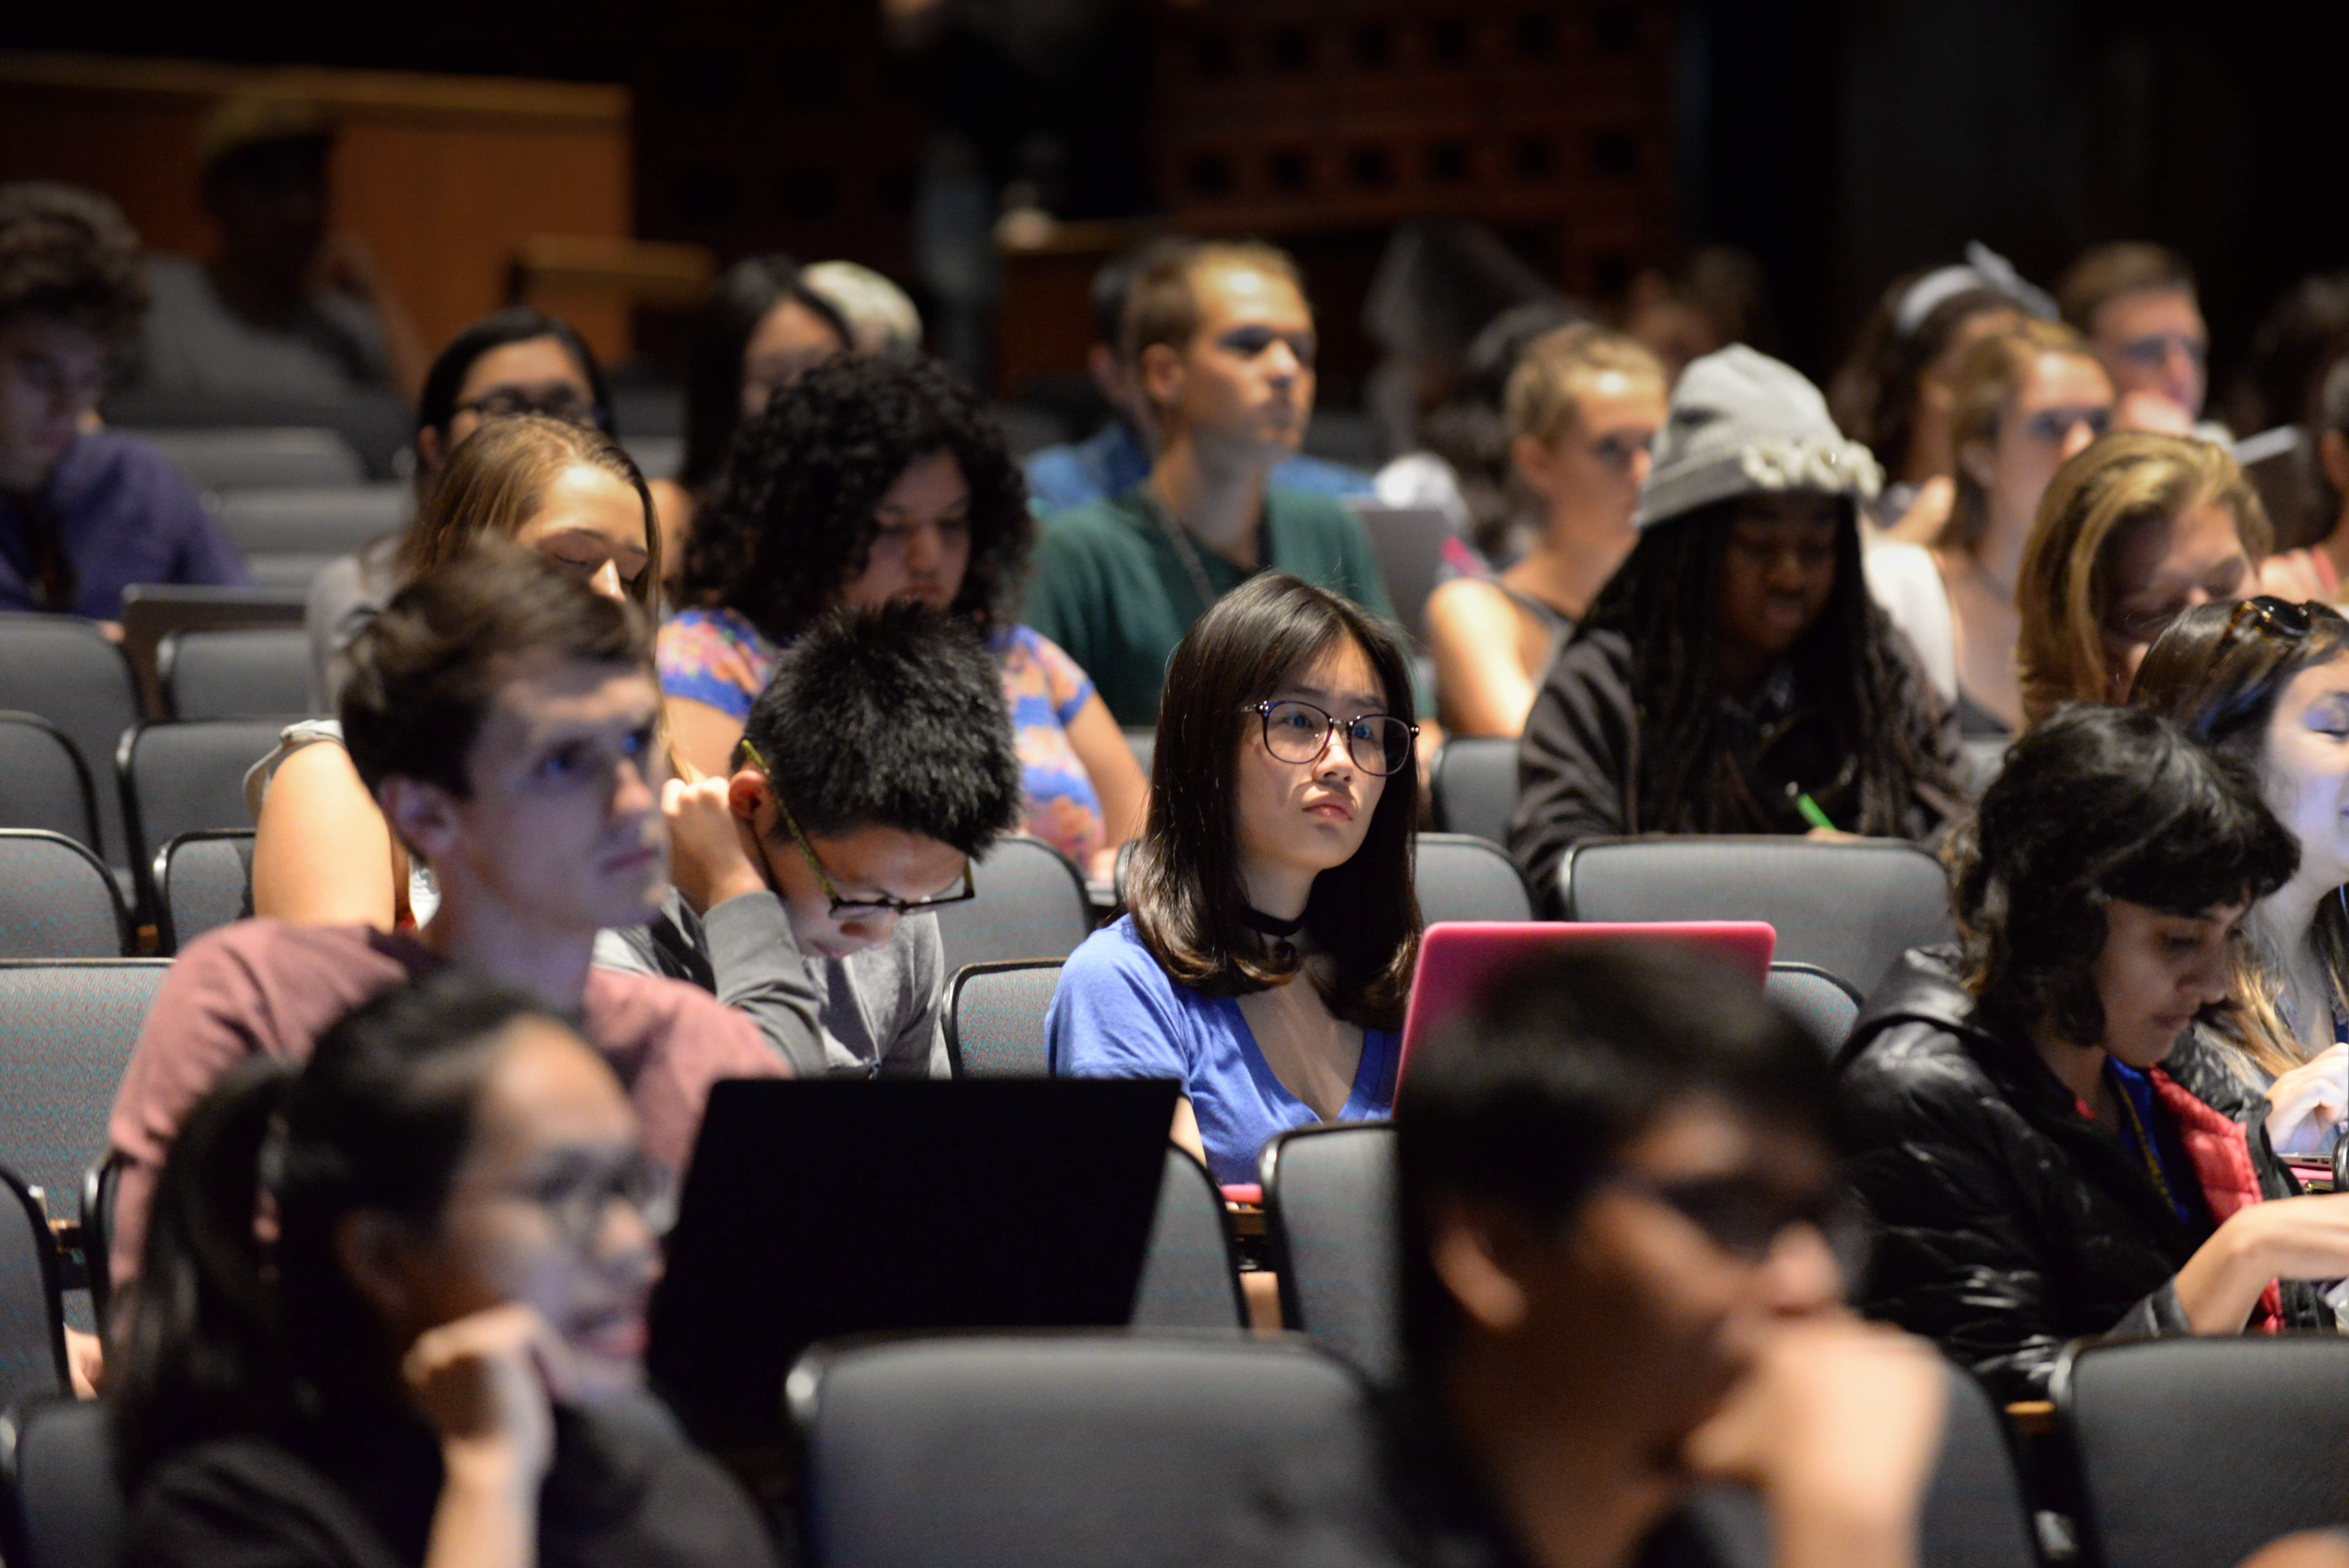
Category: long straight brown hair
[1189,906]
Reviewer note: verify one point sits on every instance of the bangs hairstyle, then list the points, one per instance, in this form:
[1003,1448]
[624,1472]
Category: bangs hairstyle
[1189,906]
[70,255]
[2095,804]
[1545,391]
[436,407]
[1528,1101]
[794,516]
[2216,674]
[1993,375]
[1874,394]
[496,481]
[227,1334]
[2063,592]
[1162,305]
[1666,600]
[424,673]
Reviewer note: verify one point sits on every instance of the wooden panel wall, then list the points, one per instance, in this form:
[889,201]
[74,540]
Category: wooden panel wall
[443,177]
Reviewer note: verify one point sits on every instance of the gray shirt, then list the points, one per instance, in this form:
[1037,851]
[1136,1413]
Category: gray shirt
[195,342]
[874,1014]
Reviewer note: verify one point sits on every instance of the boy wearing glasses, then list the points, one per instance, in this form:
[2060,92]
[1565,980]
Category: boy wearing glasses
[876,764]
[1617,1201]
[505,717]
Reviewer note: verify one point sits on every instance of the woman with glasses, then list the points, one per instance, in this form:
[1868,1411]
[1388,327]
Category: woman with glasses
[867,480]
[2023,401]
[324,855]
[2265,683]
[2046,1145]
[1734,677]
[1272,929]
[2133,533]
[512,361]
[392,1310]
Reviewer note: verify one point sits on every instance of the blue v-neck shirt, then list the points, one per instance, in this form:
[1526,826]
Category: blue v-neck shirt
[1116,1014]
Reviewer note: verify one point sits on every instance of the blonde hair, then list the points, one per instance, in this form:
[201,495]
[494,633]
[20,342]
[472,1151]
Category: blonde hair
[1993,374]
[497,476]
[1545,391]
[2063,592]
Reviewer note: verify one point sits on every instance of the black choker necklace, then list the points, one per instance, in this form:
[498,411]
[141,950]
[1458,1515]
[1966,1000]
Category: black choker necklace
[1257,920]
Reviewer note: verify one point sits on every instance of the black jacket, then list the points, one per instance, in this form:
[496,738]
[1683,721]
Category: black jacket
[2004,1225]
[1579,768]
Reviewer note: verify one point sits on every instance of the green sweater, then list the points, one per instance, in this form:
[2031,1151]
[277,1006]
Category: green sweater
[1110,589]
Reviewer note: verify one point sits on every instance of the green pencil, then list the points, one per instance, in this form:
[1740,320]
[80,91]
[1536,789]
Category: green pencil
[1811,812]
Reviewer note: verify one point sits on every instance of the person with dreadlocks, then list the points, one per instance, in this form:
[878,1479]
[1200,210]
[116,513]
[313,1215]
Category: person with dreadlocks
[1734,677]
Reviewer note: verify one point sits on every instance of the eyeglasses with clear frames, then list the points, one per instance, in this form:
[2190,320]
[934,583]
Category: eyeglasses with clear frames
[844,908]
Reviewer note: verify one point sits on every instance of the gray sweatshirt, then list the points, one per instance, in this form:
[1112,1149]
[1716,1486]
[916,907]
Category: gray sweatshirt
[873,1014]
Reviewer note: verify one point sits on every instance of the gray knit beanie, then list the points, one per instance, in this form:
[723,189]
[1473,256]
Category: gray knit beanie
[1740,422]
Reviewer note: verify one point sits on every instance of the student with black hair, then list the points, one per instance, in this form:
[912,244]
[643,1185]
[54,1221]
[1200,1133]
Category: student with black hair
[84,511]
[877,764]
[873,479]
[1272,931]
[1617,1194]
[512,361]
[761,328]
[2047,1146]
[1734,676]
[504,717]
[425,1353]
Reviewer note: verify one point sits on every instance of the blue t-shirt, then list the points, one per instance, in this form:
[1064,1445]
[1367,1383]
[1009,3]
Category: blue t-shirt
[1111,463]
[127,515]
[1116,1014]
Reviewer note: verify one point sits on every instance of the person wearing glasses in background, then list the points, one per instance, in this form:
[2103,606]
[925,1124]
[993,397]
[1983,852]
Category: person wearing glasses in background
[435,1357]
[2135,304]
[512,361]
[875,765]
[2265,683]
[2133,533]
[1273,929]
[2023,401]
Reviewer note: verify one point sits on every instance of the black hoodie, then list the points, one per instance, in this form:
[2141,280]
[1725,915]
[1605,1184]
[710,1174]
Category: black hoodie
[2003,1224]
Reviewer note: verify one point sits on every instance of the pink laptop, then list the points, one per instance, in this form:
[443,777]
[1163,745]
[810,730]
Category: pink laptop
[1459,959]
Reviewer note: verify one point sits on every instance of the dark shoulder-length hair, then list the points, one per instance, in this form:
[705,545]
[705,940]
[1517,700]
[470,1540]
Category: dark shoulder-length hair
[738,301]
[1189,906]
[231,1333]
[1851,661]
[2217,673]
[2097,804]
[792,519]
[1874,394]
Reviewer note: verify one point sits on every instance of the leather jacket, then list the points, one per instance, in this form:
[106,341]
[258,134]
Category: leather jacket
[2003,1224]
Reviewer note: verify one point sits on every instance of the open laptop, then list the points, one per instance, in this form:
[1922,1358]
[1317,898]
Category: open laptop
[1460,960]
[1409,542]
[825,1208]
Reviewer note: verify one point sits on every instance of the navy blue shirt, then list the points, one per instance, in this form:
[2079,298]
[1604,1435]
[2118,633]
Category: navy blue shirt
[128,516]
[1113,463]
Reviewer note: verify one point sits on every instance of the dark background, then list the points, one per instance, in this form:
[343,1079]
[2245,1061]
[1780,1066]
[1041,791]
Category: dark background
[1843,141]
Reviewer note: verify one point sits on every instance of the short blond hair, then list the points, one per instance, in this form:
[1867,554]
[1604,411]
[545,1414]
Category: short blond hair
[1545,391]
[2063,592]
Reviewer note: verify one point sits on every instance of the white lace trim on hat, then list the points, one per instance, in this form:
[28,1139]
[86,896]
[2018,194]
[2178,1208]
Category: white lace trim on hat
[1839,468]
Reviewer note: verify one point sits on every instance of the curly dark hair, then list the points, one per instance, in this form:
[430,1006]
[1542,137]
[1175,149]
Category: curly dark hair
[792,519]
[1900,777]
[2095,804]
[70,255]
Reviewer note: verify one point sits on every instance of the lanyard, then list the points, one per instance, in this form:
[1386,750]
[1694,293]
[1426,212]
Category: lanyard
[2143,1136]
[1185,550]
